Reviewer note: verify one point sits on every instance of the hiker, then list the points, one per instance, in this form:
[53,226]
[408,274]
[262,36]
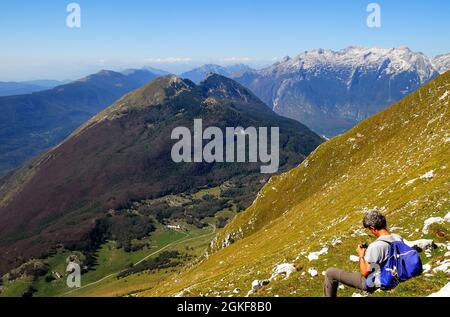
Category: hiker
[371,259]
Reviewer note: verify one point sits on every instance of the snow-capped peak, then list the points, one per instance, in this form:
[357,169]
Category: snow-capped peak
[442,63]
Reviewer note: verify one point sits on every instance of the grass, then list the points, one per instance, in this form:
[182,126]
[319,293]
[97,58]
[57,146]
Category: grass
[110,261]
[194,244]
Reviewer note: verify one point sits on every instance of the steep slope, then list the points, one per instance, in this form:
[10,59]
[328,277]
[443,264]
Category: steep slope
[123,155]
[31,124]
[442,63]
[200,73]
[397,161]
[332,91]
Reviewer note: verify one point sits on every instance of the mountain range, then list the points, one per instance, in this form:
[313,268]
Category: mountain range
[328,91]
[331,91]
[33,123]
[72,195]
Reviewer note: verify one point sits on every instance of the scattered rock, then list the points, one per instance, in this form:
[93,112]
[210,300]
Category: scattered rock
[313,272]
[285,268]
[421,244]
[433,220]
[236,290]
[336,242]
[360,295]
[447,217]
[315,255]
[444,266]
[227,241]
[426,268]
[428,175]
[258,284]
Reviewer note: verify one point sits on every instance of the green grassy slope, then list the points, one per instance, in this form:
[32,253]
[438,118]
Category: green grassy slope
[102,279]
[383,162]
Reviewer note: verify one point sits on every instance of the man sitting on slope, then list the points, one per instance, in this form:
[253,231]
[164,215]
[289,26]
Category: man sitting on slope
[371,259]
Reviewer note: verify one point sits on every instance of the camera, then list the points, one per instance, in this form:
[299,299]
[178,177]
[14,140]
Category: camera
[364,246]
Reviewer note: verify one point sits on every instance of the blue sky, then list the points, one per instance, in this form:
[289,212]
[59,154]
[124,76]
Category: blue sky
[176,35]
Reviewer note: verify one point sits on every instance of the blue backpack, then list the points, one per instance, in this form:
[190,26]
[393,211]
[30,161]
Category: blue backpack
[402,264]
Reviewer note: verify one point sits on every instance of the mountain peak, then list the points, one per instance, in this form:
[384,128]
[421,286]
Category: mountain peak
[156,91]
[442,63]
[103,74]
[106,72]
[219,86]
[200,73]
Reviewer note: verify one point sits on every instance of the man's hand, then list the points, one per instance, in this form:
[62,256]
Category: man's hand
[360,251]
[364,266]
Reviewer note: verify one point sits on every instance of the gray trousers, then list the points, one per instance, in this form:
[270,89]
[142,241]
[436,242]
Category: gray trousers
[335,276]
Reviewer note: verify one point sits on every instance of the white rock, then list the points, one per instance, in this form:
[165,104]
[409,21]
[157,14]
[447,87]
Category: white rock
[341,286]
[236,290]
[444,292]
[447,217]
[447,254]
[315,255]
[426,268]
[336,241]
[354,258]
[258,284]
[421,243]
[431,221]
[443,267]
[313,272]
[359,295]
[284,268]
[428,175]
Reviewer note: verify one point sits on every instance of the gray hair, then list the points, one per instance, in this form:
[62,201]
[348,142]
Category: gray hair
[374,219]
